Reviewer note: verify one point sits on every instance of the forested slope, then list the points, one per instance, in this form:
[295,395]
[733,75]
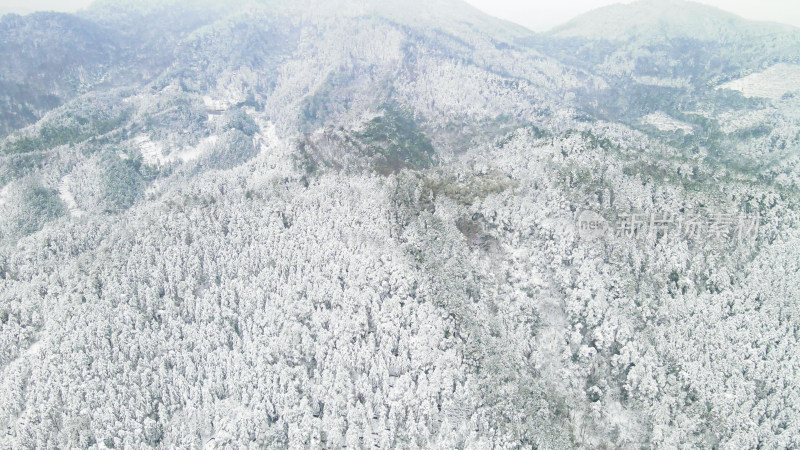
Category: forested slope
[362,226]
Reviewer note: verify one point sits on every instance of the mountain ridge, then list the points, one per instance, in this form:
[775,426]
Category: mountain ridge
[349,229]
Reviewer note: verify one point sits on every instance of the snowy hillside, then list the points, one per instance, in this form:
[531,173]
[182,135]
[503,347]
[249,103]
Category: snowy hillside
[397,224]
[773,82]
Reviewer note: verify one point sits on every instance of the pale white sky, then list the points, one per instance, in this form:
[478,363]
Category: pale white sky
[538,15]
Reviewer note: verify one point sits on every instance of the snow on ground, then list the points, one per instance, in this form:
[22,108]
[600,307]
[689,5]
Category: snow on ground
[4,194]
[267,136]
[205,146]
[275,155]
[34,348]
[731,122]
[215,105]
[67,197]
[667,123]
[662,82]
[269,144]
[153,152]
[771,83]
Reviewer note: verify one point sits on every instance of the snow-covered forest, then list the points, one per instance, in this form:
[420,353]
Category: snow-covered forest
[356,224]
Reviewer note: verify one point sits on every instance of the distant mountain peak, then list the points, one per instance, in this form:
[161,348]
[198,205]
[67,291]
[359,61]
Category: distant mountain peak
[663,19]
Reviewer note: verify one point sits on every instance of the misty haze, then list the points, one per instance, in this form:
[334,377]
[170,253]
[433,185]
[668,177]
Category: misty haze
[322,224]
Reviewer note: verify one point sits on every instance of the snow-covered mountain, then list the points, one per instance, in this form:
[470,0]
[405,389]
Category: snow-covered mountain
[676,42]
[680,61]
[665,19]
[397,224]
